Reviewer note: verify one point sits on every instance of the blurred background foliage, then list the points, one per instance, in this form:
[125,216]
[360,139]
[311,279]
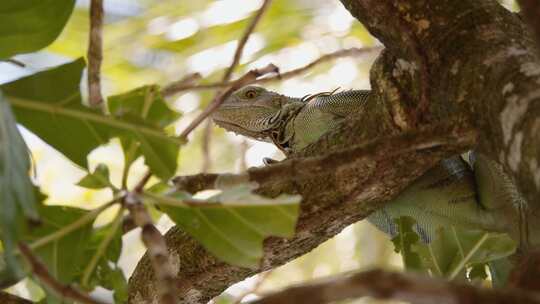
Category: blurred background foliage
[157,42]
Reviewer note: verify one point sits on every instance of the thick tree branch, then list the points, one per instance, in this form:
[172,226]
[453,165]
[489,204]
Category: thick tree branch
[530,10]
[379,284]
[338,189]
[483,65]
[483,77]
[157,250]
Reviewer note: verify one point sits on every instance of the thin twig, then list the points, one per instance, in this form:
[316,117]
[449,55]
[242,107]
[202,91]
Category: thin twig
[289,74]
[157,249]
[248,78]
[245,37]
[260,280]
[15,62]
[207,135]
[174,87]
[95,55]
[41,272]
[243,151]
[140,185]
[117,221]
[227,76]
[379,284]
[83,220]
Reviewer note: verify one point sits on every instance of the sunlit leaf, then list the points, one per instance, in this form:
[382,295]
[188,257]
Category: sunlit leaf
[97,179]
[233,225]
[29,25]
[49,104]
[64,256]
[145,106]
[17,198]
[453,249]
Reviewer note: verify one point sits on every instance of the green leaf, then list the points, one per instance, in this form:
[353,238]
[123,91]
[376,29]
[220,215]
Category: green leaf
[17,199]
[49,104]
[97,179]
[454,249]
[29,25]
[500,270]
[144,106]
[404,241]
[63,257]
[119,285]
[478,272]
[233,224]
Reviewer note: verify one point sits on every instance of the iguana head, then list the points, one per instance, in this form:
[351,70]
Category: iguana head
[251,111]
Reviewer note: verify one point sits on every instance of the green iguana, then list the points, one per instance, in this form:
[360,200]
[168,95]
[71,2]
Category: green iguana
[450,194]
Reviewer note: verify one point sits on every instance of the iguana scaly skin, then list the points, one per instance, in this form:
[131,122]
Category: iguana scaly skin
[448,194]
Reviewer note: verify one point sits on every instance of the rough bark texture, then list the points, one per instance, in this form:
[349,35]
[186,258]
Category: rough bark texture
[482,61]
[409,287]
[468,63]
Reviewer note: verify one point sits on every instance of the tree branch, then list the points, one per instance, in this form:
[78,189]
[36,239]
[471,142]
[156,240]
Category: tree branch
[338,189]
[492,92]
[496,89]
[228,73]
[157,250]
[41,272]
[248,78]
[95,56]
[350,52]
[379,284]
[14,62]
[530,10]
[175,87]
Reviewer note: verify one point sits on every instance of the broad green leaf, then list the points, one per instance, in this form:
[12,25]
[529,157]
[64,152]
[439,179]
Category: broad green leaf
[29,25]
[64,256]
[145,106]
[404,241]
[97,179]
[49,104]
[104,274]
[17,199]
[454,249]
[233,224]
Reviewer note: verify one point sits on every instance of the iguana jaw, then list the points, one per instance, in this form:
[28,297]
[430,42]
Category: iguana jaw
[237,129]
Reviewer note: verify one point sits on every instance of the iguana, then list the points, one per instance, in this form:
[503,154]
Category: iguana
[475,196]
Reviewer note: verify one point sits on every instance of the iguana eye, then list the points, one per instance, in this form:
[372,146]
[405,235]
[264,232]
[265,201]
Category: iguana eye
[250,94]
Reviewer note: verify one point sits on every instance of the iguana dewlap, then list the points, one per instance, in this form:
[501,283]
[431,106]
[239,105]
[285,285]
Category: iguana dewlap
[445,195]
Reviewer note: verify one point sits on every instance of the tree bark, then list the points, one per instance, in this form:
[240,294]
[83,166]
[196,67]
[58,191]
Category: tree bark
[455,73]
